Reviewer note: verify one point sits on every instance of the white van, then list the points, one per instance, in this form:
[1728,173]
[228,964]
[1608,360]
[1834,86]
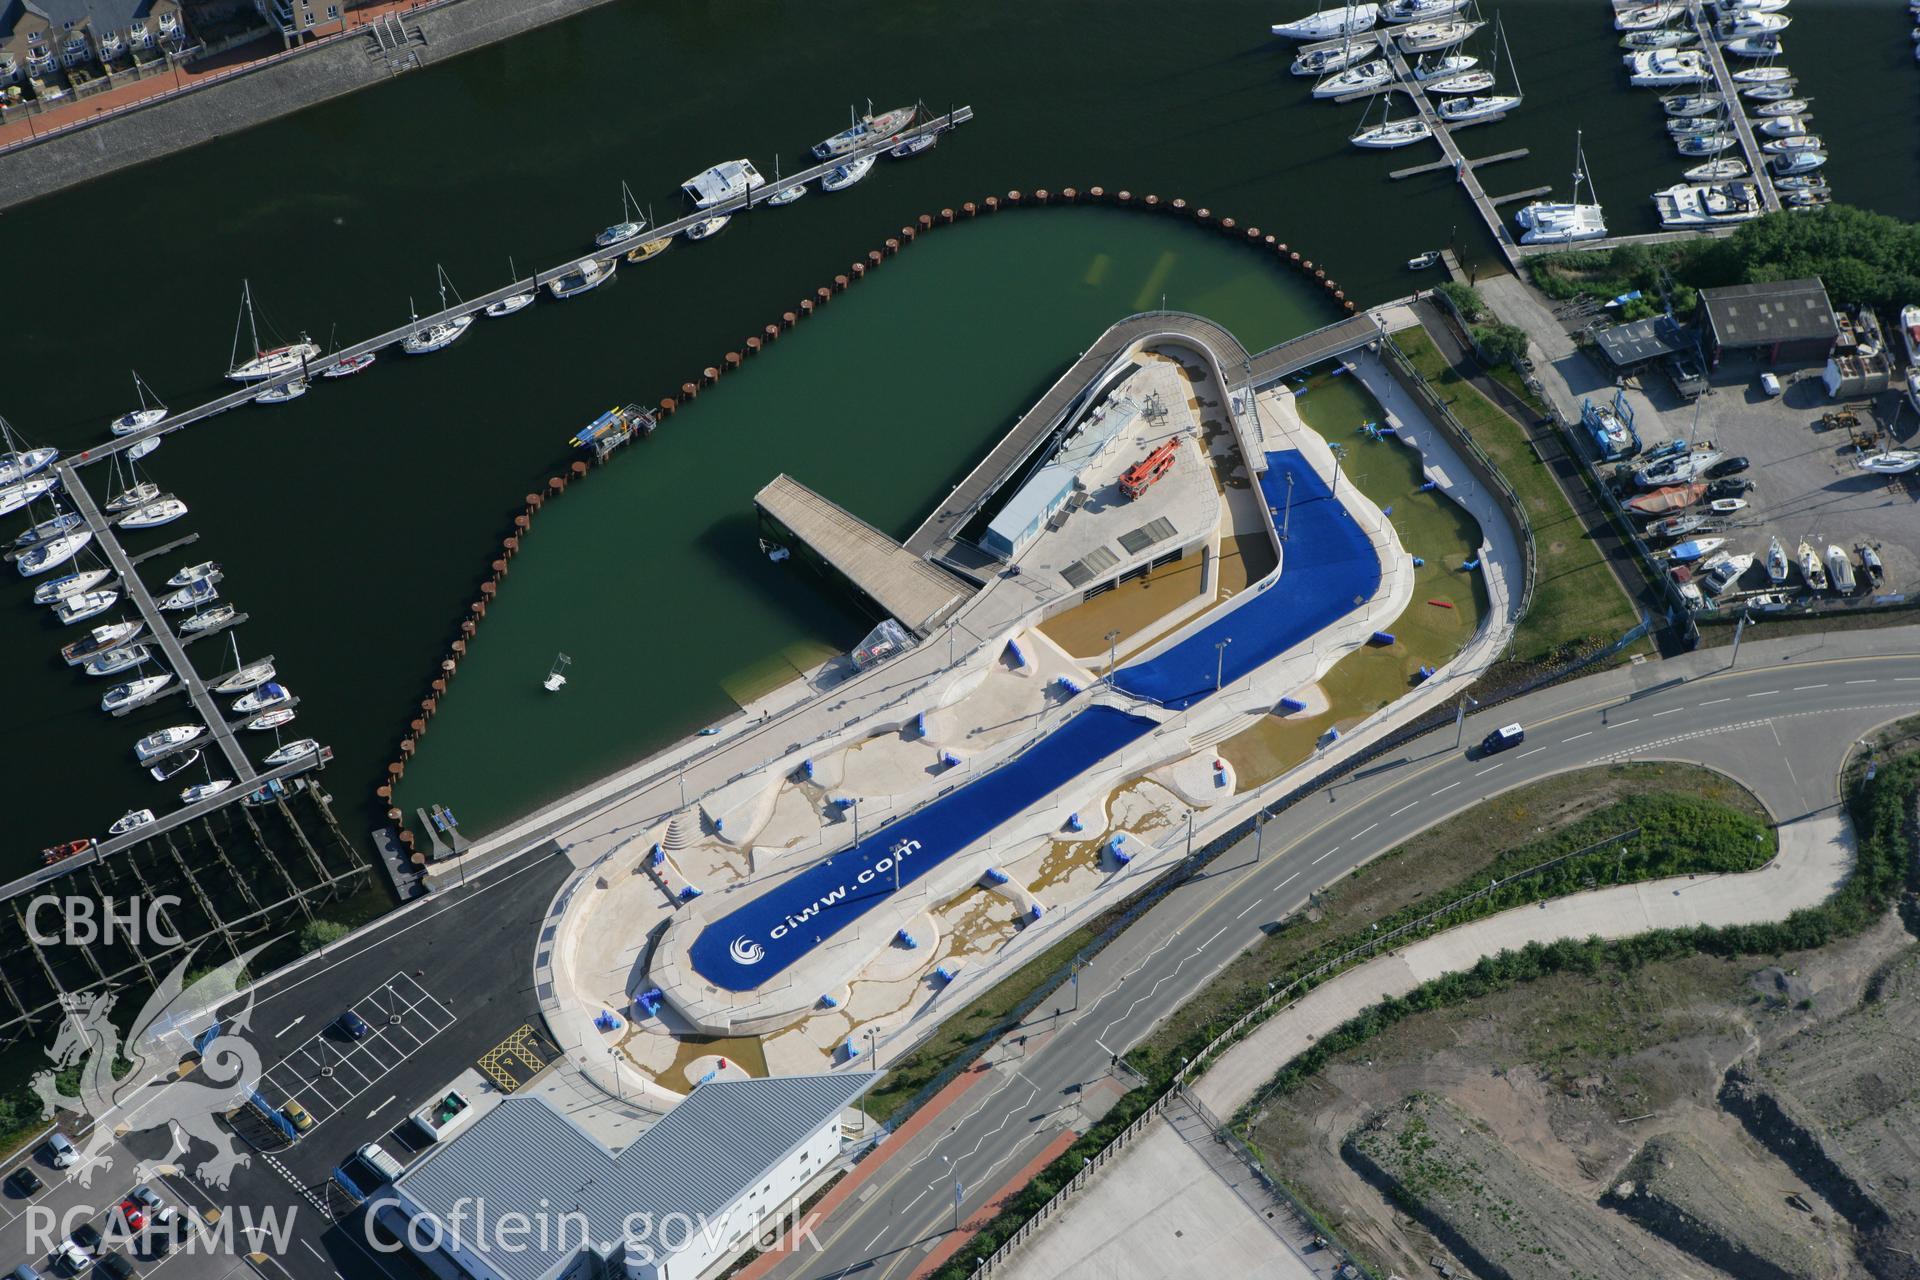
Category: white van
[377,1159]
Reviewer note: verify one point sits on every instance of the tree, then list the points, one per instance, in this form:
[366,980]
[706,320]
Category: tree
[1465,299]
[320,933]
[1502,343]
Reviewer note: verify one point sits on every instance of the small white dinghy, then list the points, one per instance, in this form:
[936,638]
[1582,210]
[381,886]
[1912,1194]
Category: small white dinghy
[132,820]
[204,790]
[556,677]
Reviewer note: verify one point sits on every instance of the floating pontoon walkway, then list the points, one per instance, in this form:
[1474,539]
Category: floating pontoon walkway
[1742,127]
[931,124]
[912,591]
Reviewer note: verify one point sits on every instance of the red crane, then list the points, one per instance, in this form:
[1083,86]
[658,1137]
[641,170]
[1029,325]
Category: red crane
[1143,474]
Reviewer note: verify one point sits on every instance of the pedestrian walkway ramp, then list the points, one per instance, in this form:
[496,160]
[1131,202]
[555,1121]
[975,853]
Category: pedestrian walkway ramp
[904,587]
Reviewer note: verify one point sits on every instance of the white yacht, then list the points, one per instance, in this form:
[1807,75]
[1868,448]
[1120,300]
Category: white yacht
[912,147]
[1762,75]
[254,673]
[1659,38]
[1786,126]
[1479,106]
[1840,569]
[1793,145]
[1644,17]
[1425,37]
[114,661]
[132,820]
[20,465]
[1726,573]
[293,751]
[1684,469]
[1777,564]
[1889,462]
[1374,74]
[871,128]
[709,227]
[723,182]
[99,640]
[165,742]
[1705,144]
[272,720]
[1396,12]
[133,496]
[1783,107]
[265,362]
[53,553]
[83,605]
[1430,69]
[193,573]
[1797,162]
[1320,62]
[787,195]
[585,275]
[1668,67]
[191,596]
[214,617]
[1390,133]
[510,304]
[847,174]
[1461,82]
[435,337]
[1810,567]
[1910,331]
[204,790]
[265,698]
[1330,24]
[632,222]
[1684,205]
[46,530]
[58,589]
[1750,22]
[347,366]
[145,416]
[283,393]
[134,692]
[1682,106]
[21,492]
[153,514]
[1755,47]
[1717,170]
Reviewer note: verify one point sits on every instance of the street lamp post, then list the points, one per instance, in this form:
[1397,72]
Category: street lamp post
[1220,661]
[873,1046]
[957,1190]
[1259,829]
[1113,638]
[618,1089]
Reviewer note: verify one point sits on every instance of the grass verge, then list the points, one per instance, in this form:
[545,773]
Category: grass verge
[1577,601]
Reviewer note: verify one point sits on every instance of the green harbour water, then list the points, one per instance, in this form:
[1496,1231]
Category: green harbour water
[356,524]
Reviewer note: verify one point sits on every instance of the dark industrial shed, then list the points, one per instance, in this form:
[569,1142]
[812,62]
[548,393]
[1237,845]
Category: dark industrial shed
[1782,322]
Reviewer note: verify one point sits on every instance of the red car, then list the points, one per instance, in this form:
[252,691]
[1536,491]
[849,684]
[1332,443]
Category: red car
[134,1214]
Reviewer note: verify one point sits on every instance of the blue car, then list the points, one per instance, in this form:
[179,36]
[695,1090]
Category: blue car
[353,1025]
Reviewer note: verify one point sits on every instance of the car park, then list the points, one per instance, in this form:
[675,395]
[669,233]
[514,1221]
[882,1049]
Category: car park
[23,1182]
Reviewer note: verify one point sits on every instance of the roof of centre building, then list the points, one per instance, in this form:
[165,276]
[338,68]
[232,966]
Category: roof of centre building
[523,1156]
[1750,315]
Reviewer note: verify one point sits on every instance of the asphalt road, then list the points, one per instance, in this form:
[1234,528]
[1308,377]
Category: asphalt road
[1782,724]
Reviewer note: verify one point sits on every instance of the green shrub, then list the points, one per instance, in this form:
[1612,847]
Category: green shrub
[1465,299]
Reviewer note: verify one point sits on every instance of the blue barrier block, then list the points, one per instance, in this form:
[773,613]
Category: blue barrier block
[1470,566]
[1418,562]
[1067,685]
[1386,511]
[995,875]
[1014,651]
[657,855]
[842,803]
[828,1002]
[605,1021]
[1383,637]
[1429,486]
[1293,704]
[1074,823]
[689,893]
[907,940]
[719,826]
[943,973]
[920,724]
[1035,912]
[849,1051]
[806,769]
[949,759]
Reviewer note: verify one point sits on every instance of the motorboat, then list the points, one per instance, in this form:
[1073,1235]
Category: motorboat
[99,640]
[114,661]
[1645,17]
[46,530]
[1667,67]
[1811,569]
[1913,387]
[1425,37]
[265,698]
[166,741]
[245,678]
[914,146]
[1461,82]
[1662,38]
[1782,107]
[347,366]
[284,392]
[1727,506]
[1676,526]
[1755,47]
[61,852]
[127,499]
[141,448]
[1889,462]
[631,223]
[1366,75]
[583,276]
[1796,162]
[132,820]
[870,129]
[1697,126]
[1673,498]
[847,174]
[1480,106]
[1695,548]
[650,249]
[1717,170]
[787,195]
[1870,563]
[1750,22]
[191,596]
[272,720]
[267,362]
[204,790]
[437,337]
[1751,6]
[1420,262]
[1784,126]
[1910,331]
[1685,105]
[219,615]
[1762,75]
[1562,222]
[1725,574]
[1764,93]
[85,604]
[267,794]
[53,553]
[1840,569]
[1330,24]
[153,514]
[512,303]
[1682,205]
[1705,144]
[729,180]
[134,692]
[58,589]
[1767,602]
[293,751]
[1451,64]
[707,228]
[1776,562]
[174,765]
[1319,62]
[18,466]
[1398,12]
[1684,469]
[557,674]
[1793,145]
[21,492]
[1801,201]
[193,573]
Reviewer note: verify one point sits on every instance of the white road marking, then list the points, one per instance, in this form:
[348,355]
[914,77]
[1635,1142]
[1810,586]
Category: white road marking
[1289,880]
[1329,853]
[290,1026]
[1576,737]
[1536,751]
[1621,724]
[1402,809]
[1450,786]
[1489,769]
[1250,906]
[1764,693]
[382,1107]
[1670,711]
[1802,688]
[1710,702]
[1862,682]
[1368,829]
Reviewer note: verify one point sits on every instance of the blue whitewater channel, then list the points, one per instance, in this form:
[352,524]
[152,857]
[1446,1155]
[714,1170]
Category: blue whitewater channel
[1328,569]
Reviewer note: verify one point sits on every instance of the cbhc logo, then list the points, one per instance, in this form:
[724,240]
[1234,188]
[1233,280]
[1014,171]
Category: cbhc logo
[89,920]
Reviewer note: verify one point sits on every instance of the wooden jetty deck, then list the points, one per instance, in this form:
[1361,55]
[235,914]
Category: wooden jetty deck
[1736,111]
[907,588]
[159,633]
[474,306]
